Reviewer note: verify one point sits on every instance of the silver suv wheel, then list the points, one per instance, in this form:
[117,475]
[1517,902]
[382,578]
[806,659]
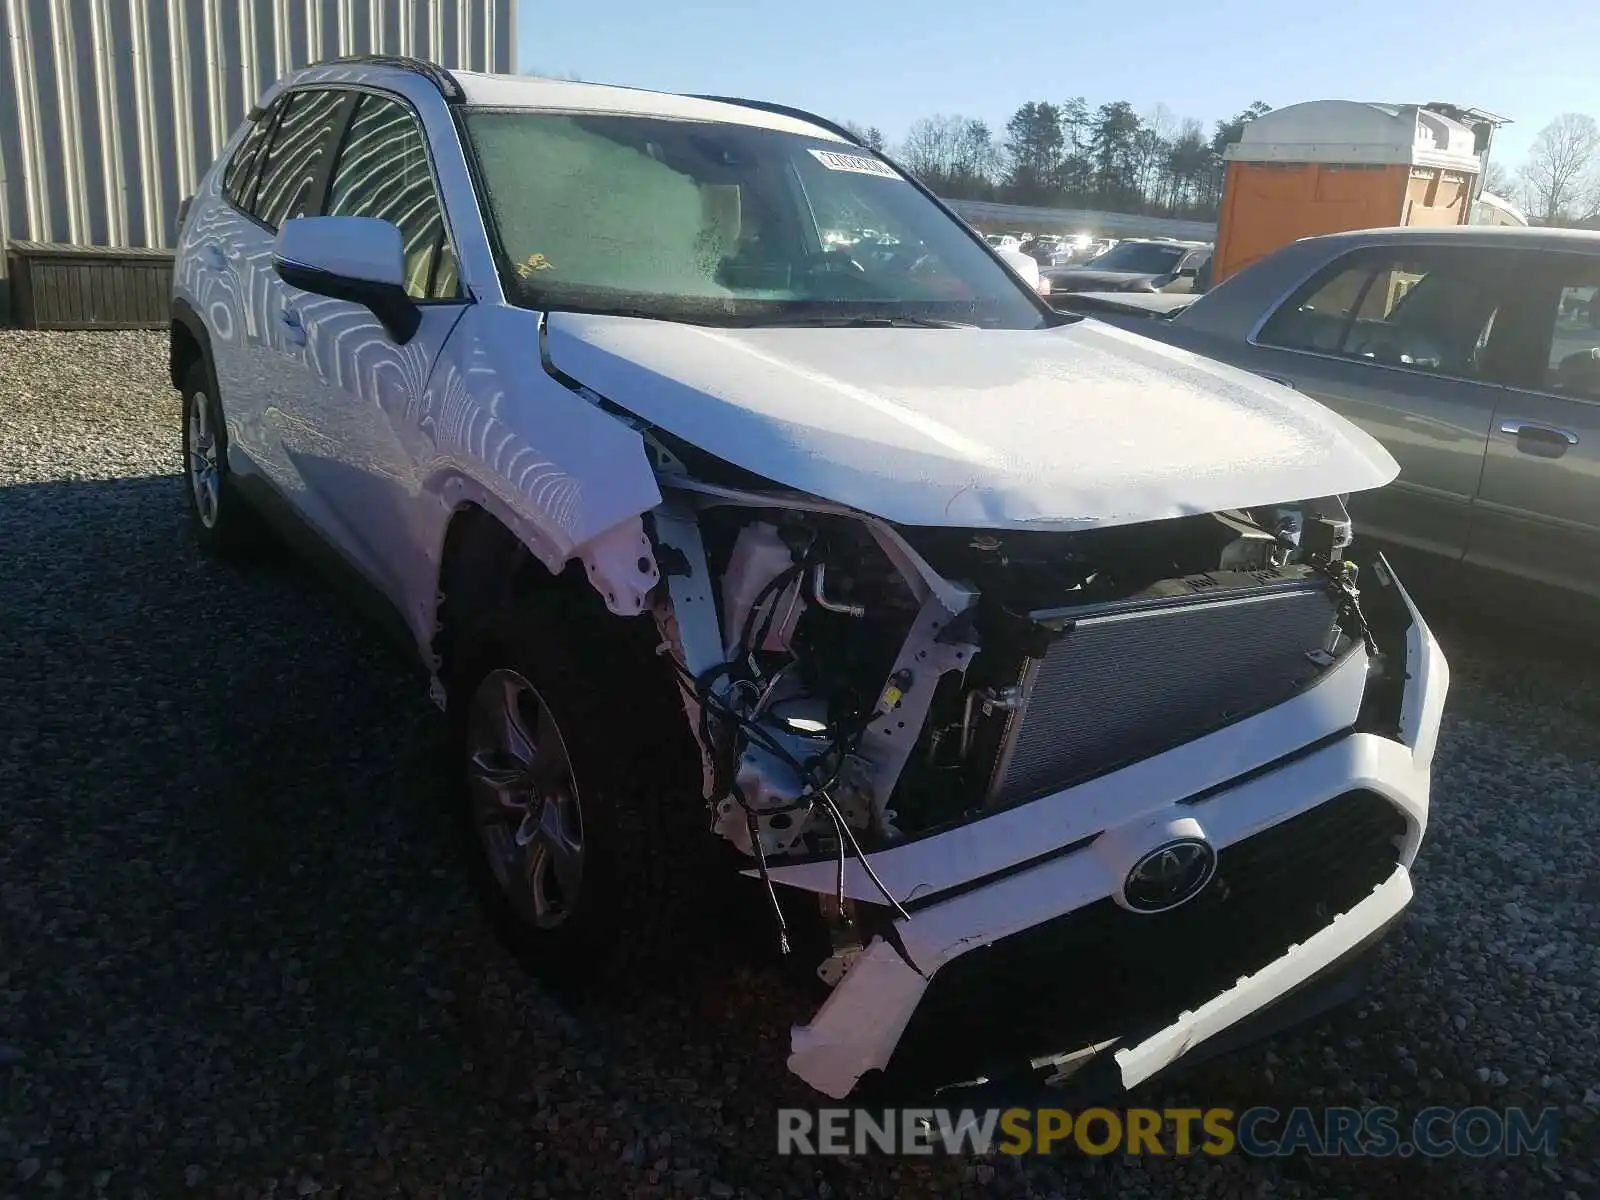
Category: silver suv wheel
[204,476]
[524,799]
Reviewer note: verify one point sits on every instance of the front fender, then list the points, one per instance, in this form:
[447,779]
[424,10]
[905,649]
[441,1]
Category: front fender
[563,475]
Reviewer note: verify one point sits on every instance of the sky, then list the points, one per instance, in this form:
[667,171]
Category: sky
[888,62]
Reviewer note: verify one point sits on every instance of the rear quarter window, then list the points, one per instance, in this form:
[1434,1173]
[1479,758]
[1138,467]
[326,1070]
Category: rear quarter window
[239,177]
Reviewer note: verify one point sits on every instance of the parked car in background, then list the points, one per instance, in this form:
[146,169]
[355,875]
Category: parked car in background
[1025,266]
[1037,246]
[1003,241]
[1050,251]
[1472,353]
[1135,265]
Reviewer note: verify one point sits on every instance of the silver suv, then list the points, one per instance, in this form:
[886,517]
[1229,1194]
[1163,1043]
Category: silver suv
[1020,664]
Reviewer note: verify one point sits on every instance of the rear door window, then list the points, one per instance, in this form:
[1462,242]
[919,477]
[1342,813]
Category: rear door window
[1415,308]
[294,169]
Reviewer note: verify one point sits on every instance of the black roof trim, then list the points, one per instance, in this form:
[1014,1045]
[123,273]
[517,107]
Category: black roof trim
[432,72]
[783,110]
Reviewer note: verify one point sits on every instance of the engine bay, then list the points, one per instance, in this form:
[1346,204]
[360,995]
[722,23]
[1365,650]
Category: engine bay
[853,684]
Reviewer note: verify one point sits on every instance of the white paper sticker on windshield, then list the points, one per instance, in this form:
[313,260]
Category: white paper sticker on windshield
[855,162]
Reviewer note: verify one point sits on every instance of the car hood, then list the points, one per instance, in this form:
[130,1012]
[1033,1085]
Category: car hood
[1086,280]
[1072,427]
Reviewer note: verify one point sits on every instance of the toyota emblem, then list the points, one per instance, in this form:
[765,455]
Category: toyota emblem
[1170,875]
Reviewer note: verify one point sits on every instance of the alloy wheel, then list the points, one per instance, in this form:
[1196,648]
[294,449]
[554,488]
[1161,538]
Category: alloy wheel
[205,477]
[524,799]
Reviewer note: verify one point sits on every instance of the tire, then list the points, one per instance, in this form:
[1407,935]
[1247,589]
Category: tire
[223,526]
[632,775]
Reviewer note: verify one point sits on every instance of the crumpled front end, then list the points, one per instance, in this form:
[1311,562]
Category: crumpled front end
[1115,789]
[1314,811]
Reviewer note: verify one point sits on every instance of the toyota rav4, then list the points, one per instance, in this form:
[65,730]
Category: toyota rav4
[1025,668]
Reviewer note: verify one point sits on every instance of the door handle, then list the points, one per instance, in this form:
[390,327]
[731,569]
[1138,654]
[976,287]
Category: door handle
[1548,441]
[294,328]
[1277,379]
[216,256]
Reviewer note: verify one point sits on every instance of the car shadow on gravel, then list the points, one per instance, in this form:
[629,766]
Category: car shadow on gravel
[245,939]
[240,958]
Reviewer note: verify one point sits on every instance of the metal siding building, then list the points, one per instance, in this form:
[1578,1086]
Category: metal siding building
[110,110]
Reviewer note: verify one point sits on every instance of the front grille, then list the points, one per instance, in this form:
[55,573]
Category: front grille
[1122,685]
[1102,972]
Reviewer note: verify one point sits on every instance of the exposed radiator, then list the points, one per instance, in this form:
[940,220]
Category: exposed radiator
[1128,681]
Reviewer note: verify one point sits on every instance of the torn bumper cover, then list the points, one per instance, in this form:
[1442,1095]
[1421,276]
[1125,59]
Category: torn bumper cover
[1313,812]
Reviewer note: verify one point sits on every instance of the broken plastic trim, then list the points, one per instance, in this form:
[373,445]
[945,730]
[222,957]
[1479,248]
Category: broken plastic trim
[1389,624]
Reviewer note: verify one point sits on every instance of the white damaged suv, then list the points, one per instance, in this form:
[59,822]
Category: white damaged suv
[743,506]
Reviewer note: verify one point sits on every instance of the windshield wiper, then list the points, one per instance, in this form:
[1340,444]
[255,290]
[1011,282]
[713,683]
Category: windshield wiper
[858,321]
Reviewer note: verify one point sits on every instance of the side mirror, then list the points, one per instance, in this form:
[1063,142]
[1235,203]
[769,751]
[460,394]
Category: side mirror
[1190,272]
[359,259]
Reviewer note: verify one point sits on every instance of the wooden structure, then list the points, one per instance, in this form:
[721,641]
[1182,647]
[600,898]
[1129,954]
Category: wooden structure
[60,286]
[1327,166]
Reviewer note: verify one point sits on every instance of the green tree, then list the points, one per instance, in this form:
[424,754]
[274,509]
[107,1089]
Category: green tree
[1034,143]
[1188,167]
[1077,168]
[1069,155]
[1112,147]
[1224,135]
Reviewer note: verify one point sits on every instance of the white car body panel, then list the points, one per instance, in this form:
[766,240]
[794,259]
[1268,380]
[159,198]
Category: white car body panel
[1062,429]
[354,436]
[377,445]
[503,434]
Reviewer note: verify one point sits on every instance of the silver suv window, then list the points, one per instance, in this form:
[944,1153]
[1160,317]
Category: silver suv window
[239,180]
[294,166]
[383,172]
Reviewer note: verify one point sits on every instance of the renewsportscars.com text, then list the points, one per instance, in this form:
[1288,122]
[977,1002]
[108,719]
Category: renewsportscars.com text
[1260,1132]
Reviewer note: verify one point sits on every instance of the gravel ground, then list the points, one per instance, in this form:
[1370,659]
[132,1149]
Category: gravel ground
[237,957]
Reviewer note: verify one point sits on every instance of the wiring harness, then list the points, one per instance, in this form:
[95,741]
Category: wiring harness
[723,723]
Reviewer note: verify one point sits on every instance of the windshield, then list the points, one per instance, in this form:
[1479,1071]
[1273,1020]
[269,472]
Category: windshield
[724,224]
[1140,258]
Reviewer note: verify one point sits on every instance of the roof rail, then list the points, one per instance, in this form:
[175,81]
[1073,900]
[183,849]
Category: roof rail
[783,110]
[432,72]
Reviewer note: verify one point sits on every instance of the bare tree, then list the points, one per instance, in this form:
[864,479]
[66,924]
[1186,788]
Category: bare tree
[956,155]
[871,136]
[1498,181]
[1561,179]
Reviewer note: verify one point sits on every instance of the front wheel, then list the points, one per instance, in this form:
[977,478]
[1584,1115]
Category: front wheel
[578,782]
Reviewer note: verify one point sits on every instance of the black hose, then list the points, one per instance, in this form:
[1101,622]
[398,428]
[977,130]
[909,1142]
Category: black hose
[840,748]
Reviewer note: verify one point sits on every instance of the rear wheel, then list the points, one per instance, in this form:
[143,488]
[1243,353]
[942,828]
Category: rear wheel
[222,525]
